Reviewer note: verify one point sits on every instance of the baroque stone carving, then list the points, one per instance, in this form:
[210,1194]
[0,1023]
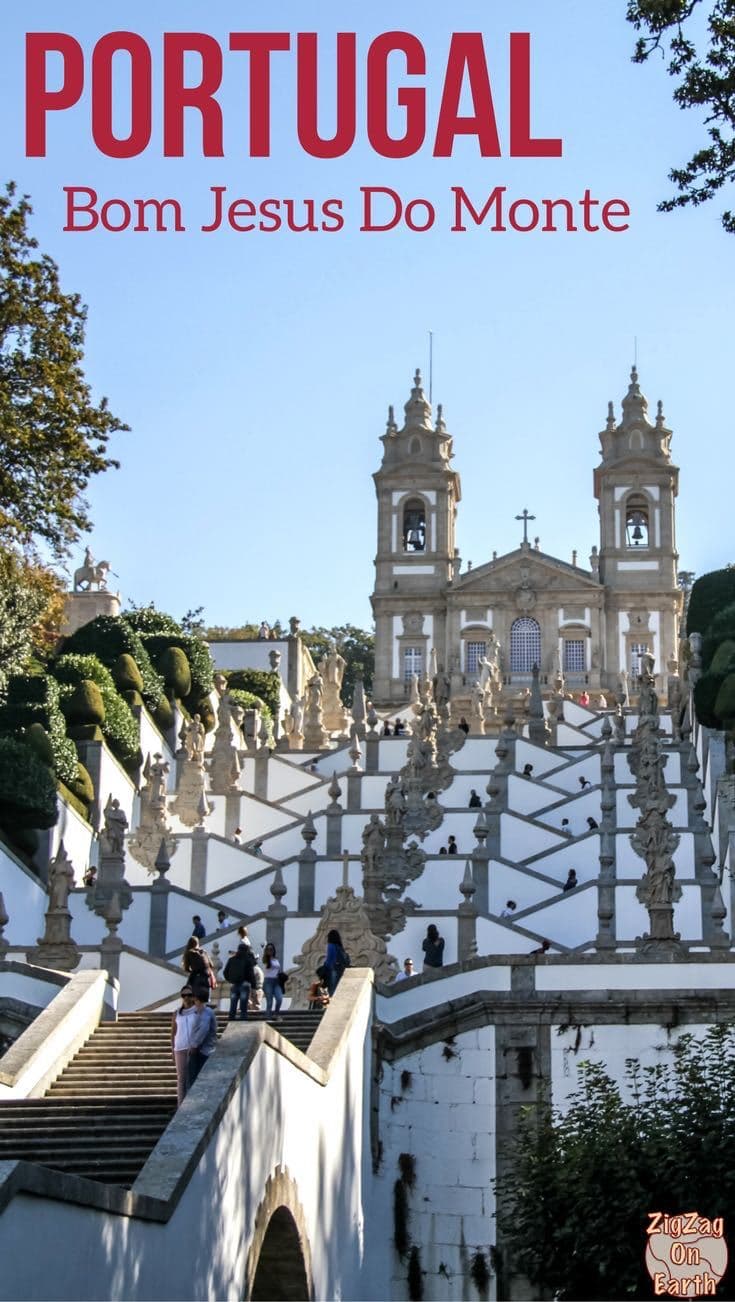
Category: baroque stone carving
[154,827]
[110,882]
[654,839]
[316,736]
[349,915]
[332,669]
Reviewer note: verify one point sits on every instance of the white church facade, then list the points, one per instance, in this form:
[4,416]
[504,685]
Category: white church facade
[593,623]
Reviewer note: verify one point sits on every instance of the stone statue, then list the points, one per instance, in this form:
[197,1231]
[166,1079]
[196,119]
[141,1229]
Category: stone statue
[157,774]
[194,739]
[395,803]
[297,713]
[442,689]
[316,736]
[332,665]
[60,881]
[220,684]
[373,843]
[314,693]
[91,574]
[112,837]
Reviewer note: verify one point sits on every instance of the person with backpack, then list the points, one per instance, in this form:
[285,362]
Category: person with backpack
[198,968]
[336,960]
[240,972]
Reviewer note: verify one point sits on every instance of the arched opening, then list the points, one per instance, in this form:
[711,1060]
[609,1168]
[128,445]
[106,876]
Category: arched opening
[414,525]
[281,1269]
[636,522]
[525,645]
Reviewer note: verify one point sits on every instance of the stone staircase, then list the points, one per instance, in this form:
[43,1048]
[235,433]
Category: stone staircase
[105,1113]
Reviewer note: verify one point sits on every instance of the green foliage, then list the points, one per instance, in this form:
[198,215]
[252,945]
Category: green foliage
[83,787]
[53,436]
[84,707]
[126,675]
[264,683]
[725,703]
[575,1201]
[720,631]
[174,669]
[23,601]
[710,594]
[355,644]
[702,58]
[34,698]
[110,636]
[27,788]
[706,691]
[164,715]
[119,728]
[197,655]
[203,708]
[146,619]
[39,741]
[73,801]
[723,657]
[249,701]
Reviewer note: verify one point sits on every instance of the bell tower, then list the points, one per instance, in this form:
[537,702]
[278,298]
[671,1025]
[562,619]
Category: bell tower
[636,485]
[417,493]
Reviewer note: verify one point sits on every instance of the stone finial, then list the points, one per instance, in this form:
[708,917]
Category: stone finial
[606,729]
[660,418]
[204,809]
[635,405]
[390,424]
[417,409]
[355,751]
[467,885]
[372,719]
[113,913]
[278,887]
[610,423]
[440,426]
[334,790]
[480,830]
[308,831]
[162,861]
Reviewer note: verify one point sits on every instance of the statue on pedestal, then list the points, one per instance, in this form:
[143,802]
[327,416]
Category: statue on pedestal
[55,948]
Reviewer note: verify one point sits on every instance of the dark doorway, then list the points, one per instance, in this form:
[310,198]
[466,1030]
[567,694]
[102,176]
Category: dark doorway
[281,1272]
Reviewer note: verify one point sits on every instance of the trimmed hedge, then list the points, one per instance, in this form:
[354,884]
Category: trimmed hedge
[720,631]
[34,698]
[108,637]
[27,788]
[197,654]
[249,701]
[264,683]
[85,705]
[119,727]
[725,703]
[126,674]
[146,619]
[709,596]
[174,669]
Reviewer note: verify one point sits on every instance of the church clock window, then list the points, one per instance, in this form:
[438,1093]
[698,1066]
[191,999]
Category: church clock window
[525,645]
[574,656]
[413,662]
[474,653]
[636,522]
[414,526]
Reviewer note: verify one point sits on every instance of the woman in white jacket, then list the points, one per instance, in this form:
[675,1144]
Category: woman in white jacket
[182,1026]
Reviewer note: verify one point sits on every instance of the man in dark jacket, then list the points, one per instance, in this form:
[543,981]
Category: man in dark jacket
[240,972]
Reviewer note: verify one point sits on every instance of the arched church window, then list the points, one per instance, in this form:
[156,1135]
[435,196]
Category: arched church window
[525,645]
[636,522]
[414,526]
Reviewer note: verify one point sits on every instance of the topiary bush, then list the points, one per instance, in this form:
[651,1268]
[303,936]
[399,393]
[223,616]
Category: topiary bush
[708,597]
[85,707]
[34,698]
[197,654]
[725,703]
[261,682]
[126,674]
[174,669]
[108,637]
[723,657]
[83,787]
[27,788]
[706,691]
[119,727]
[721,631]
[249,701]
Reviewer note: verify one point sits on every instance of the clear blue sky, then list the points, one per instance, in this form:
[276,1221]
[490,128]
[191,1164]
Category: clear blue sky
[255,369]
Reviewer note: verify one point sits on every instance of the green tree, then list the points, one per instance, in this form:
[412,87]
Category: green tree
[53,435]
[30,612]
[704,66]
[576,1201]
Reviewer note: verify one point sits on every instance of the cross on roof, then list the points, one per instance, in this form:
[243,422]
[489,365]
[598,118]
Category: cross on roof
[525,518]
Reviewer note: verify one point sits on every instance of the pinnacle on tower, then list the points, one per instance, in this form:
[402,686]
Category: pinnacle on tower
[418,408]
[635,405]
